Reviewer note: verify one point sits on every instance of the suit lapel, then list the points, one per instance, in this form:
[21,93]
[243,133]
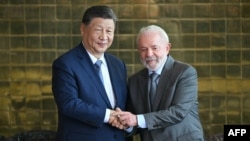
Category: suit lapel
[163,82]
[143,86]
[112,75]
[89,69]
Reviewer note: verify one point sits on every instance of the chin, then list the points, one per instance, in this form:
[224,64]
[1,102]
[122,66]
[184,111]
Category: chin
[152,68]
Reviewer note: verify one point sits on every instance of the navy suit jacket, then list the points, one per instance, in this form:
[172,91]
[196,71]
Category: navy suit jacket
[81,98]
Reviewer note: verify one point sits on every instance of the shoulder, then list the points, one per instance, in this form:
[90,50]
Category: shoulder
[178,65]
[182,65]
[69,55]
[184,69]
[176,68]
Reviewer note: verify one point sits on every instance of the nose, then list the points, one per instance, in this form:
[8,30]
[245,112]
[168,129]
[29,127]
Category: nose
[103,36]
[149,52]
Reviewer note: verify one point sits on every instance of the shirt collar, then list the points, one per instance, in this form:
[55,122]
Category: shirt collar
[94,59]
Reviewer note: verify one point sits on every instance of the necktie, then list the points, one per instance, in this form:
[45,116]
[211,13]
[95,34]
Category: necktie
[153,84]
[98,64]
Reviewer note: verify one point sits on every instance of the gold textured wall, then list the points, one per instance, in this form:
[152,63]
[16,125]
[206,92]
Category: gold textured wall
[212,35]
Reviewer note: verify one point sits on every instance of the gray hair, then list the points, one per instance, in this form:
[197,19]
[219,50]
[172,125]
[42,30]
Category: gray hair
[153,28]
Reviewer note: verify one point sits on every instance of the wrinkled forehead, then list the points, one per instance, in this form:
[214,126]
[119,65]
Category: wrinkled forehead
[149,42]
[102,22]
[150,37]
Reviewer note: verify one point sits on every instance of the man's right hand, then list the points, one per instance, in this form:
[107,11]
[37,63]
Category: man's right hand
[114,119]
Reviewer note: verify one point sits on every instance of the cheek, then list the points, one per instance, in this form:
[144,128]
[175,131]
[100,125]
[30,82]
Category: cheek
[111,37]
[142,55]
[160,54]
[93,37]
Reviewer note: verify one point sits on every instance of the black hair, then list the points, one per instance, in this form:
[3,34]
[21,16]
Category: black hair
[98,11]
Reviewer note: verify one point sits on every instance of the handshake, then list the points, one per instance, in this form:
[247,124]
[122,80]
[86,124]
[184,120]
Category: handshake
[122,119]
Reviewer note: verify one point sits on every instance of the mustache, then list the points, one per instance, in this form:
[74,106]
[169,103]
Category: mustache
[150,58]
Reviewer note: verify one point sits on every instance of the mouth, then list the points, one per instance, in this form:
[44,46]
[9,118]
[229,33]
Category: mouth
[150,59]
[102,44]
[150,62]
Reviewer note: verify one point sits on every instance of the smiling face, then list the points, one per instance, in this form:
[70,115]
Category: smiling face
[153,49]
[98,35]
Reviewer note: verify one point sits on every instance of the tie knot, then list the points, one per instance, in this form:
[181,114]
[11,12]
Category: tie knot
[154,76]
[98,63]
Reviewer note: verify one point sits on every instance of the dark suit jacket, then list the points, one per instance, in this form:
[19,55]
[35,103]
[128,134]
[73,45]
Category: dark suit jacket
[81,97]
[174,115]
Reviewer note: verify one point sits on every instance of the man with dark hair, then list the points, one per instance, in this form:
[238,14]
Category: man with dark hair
[88,83]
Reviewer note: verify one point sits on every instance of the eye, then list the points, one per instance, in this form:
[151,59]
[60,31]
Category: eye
[143,49]
[98,29]
[109,31]
[155,48]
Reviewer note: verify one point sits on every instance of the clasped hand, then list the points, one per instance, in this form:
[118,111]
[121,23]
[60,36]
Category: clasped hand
[122,119]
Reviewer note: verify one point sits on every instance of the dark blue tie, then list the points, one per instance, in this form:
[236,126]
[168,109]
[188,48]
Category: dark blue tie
[98,64]
[153,85]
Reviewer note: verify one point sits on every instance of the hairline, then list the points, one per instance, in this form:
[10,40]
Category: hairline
[153,28]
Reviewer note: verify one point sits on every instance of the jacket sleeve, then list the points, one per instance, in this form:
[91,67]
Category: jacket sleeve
[65,87]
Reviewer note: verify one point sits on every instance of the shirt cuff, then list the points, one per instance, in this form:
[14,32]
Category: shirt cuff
[141,121]
[130,129]
[107,115]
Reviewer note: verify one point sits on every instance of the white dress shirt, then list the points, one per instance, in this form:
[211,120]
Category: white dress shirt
[106,82]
